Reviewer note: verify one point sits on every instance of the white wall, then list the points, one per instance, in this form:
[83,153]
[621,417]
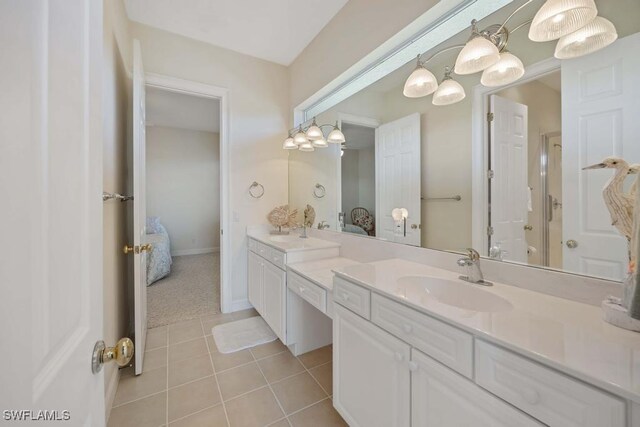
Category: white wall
[259,117]
[183,187]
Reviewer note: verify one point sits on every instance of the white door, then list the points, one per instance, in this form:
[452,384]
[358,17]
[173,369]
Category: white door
[398,178]
[139,208]
[255,285]
[441,397]
[275,285]
[371,377]
[509,186]
[51,303]
[600,118]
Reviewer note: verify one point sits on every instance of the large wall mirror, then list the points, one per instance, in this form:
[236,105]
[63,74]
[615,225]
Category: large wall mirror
[492,160]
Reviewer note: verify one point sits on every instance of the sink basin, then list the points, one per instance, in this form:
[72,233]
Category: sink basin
[283,239]
[453,293]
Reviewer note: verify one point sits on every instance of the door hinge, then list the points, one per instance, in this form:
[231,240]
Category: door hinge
[490,174]
[221,231]
[490,117]
[489,231]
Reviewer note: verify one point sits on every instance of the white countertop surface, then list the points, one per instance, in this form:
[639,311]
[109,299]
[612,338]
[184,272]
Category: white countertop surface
[291,242]
[563,334]
[320,271]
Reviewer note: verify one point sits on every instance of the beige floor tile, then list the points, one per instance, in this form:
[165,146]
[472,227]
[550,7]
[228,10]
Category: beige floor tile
[188,370]
[154,359]
[213,348]
[133,387]
[245,314]
[282,423]
[321,414]
[324,375]
[185,331]
[257,408]
[223,362]
[211,320]
[150,411]
[192,397]
[237,381]
[156,337]
[210,417]
[268,349]
[317,357]
[297,392]
[188,349]
[280,366]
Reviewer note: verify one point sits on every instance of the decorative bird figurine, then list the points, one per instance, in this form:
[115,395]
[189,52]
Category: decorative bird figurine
[634,169]
[619,204]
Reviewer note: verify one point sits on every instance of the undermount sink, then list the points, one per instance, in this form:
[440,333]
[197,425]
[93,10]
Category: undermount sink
[453,293]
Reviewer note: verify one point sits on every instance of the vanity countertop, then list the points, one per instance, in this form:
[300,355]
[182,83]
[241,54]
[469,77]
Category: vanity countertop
[291,242]
[320,271]
[563,334]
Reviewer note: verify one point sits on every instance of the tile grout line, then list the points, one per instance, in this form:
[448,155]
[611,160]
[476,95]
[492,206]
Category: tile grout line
[271,389]
[314,378]
[308,406]
[213,368]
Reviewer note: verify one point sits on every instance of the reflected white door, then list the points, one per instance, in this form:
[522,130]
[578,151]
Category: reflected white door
[139,207]
[509,188]
[51,297]
[398,178]
[600,118]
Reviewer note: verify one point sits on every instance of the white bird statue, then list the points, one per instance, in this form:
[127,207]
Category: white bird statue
[634,169]
[619,204]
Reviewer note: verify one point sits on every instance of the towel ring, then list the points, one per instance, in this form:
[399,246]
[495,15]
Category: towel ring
[252,190]
[319,191]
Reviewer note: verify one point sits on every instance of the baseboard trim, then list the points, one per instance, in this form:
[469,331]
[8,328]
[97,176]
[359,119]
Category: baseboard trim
[240,305]
[110,393]
[183,252]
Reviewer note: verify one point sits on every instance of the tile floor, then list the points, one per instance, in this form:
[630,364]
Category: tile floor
[187,382]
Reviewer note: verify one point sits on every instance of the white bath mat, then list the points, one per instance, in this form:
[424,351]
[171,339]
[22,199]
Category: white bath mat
[235,336]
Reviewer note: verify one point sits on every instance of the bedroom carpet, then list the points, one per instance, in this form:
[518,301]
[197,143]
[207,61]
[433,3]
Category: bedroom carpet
[190,291]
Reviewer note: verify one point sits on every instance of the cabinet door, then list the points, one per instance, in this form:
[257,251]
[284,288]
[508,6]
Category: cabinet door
[441,397]
[274,293]
[370,373]
[254,279]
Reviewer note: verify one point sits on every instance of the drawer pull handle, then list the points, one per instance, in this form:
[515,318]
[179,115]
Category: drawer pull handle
[345,296]
[530,396]
[399,357]
[407,328]
[301,289]
[413,366]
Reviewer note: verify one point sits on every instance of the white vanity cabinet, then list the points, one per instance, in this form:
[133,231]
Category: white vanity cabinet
[372,384]
[255,280]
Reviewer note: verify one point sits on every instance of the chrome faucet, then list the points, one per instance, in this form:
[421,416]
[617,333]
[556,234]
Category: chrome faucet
[472,263]
[322,225]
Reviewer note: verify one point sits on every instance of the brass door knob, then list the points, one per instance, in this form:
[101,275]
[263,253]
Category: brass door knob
[128,249]
[121,353]
[146,247]
[528,227]
[572,244]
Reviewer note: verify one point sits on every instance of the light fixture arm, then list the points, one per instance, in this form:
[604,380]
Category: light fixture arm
[524,24]
[447,49]
[306,128]
[512,14]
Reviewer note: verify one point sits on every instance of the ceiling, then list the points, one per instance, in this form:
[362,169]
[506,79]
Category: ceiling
[358,137]
[274,30]
[177,110]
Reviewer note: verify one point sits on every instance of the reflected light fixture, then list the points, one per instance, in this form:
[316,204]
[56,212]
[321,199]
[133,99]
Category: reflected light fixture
[421,82]
[289,144]
[320,143]
[449,92]
[594,36]
[307,146]
[300,137]
[557,18]
[336,136]
[507,70]
[314,132]
[479,53]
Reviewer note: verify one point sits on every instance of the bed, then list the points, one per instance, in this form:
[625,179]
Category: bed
[159,258]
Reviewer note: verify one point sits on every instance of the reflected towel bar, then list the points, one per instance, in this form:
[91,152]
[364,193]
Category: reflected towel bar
[457,198]
[108,196]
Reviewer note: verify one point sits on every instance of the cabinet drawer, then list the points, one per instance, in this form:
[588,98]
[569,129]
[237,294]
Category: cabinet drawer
[549,396]
[277,258]
[310,292]
[354,297]
[253,245]
[448,345]
[262,250]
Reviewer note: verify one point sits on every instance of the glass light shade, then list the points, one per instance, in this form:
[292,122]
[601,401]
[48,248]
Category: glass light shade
[320,143]
[336,136]
[307,146]
[289,144]
[557,18]
[449,92]
[314,132]
[478,54]
[421,82]
[594,36]
[300,137]
[507,70]
[398,214]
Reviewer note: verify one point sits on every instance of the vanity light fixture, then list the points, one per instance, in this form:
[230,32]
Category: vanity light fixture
[449,92]
[479,53]
[508,70]
[311,137]
[594,36]
[300,137]
[557,18]
[289,144]
[307,146]
[336,136]
[421,82]
[314,132]
[320,143]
